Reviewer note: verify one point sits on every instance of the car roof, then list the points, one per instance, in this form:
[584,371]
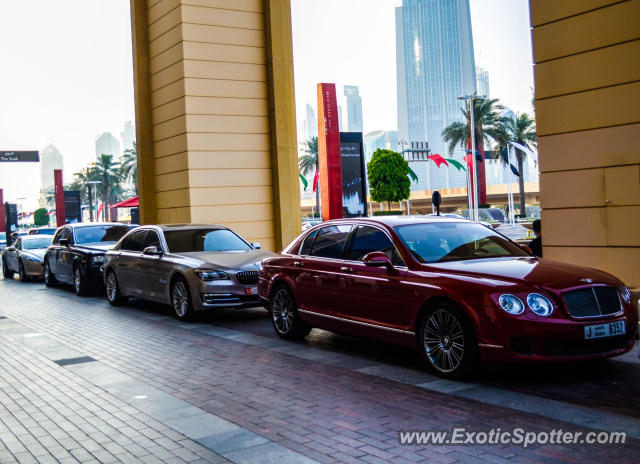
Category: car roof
[89,224]
[36,236]
[393,221]
[169,227]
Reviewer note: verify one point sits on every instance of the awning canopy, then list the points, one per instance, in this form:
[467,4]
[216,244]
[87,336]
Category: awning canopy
[130,203]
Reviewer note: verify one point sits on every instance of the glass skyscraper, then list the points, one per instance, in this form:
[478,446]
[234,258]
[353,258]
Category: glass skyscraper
[435,65]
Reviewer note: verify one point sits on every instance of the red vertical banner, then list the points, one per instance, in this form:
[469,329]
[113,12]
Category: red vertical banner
[329,160]
[60,213]
[3,222]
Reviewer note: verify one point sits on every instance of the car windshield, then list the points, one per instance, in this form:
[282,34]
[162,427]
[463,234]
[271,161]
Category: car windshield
[190,240]
[93,234]
[455,241]
[35,243]
[3,236]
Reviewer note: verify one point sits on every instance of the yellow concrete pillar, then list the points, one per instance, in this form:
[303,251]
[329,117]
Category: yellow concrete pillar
[587,76]
[215,115]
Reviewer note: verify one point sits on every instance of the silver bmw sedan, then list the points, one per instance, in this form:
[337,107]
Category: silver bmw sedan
[190,267]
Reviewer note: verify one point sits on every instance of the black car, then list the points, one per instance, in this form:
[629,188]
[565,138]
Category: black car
[77,253]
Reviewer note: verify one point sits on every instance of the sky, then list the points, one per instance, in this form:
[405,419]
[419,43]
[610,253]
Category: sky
[67,72]
[353,42]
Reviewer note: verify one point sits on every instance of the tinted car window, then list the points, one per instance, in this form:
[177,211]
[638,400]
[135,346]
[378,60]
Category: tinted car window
[18,244]
[194,240]
[367,239]
[36,242]
[453,241]
[152,239]
[94,234]
[330,241]
[306,245]
[62,233]
[134,242]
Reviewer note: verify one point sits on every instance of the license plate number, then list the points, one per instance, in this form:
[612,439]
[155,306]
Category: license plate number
[604,330]
[251,291]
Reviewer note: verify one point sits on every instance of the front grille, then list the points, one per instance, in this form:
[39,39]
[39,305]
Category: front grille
[247,277]
[592,301]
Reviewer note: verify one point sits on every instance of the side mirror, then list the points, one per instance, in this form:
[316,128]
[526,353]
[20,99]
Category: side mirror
[152,251]
[64,241]
[255,245]
[377,259]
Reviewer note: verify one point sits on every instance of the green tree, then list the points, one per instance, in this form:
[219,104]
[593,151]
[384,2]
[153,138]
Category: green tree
[388,177]
[129,168]
[40,217]
[488,124]
[108,172]
[522,130]
[308,163]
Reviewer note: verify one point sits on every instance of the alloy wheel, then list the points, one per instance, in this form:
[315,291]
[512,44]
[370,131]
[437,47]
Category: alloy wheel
[112,287]
[443,339]
[77,283]
[47,273]
[21,272]
[180,299]
[282,311]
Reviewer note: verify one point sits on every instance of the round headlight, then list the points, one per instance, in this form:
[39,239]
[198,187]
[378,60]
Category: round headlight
[539,304]
[511,304]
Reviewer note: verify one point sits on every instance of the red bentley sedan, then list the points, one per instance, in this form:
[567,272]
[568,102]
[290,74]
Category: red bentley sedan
[456,289]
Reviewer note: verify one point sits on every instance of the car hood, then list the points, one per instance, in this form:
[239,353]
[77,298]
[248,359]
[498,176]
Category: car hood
[97,246]
[228,259]
[37,252]
[542,273]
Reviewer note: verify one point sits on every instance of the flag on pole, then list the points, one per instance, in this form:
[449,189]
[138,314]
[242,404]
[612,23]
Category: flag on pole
[100,209]
[438,159]
[456,164]
[514,170]
[304,182]
[467,158]
[413,175]
[315,180]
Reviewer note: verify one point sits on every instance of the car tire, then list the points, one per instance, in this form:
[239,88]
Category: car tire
[112,288]
[284,315]
[21,272]
[49,278]
[6,272]
[80,284]
[181,299]
[447,341]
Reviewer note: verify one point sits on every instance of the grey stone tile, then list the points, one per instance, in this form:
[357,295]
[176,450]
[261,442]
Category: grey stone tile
[232,441]
[269,453]
[202,425]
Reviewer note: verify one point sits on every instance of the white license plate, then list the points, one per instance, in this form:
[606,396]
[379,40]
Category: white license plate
[604,330]
[251,290]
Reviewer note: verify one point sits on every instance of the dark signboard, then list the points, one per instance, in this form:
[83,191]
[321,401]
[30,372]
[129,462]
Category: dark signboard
[72,210]
[11,218]
[135,216]
[354,190]
[19,156]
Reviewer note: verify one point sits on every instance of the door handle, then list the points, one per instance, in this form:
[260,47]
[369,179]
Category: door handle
[346,269]
[297,263]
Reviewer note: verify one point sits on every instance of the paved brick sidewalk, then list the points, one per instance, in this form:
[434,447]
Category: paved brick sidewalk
[326,412]
[48,414]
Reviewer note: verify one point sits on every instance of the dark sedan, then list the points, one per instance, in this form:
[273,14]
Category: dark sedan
[455,289]
[191,267]
[77,254]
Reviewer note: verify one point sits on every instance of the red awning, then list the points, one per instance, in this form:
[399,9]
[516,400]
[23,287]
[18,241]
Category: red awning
[130,203]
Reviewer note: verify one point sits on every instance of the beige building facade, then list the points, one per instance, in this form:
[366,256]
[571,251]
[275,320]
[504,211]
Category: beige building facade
[215,115]
[587,78]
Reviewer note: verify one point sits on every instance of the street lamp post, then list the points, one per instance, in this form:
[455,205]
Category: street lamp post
[471,99]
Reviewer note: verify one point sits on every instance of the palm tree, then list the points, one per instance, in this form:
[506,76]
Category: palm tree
[487,121]
[522,130]
[308,163]
[129,166]
[108,173]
